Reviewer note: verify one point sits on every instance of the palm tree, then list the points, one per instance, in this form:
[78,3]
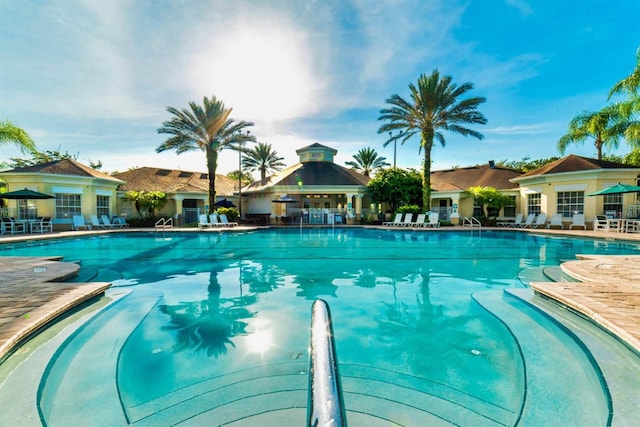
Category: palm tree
[366,161]
[630,108]
[434,107]
[262,158]
[207,128]
[605,127]
[9,133]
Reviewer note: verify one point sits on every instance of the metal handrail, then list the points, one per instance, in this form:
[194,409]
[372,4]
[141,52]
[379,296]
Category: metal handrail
[325,405]
[471,222]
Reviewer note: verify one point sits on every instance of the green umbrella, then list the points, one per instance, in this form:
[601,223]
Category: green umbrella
[25,194]
[616,189]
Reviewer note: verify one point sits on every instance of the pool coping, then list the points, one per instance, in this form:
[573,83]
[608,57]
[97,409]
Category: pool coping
[33,292]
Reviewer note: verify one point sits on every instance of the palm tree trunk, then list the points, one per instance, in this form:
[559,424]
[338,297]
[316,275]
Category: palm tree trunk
[212,166]
[427,141]
[599,147]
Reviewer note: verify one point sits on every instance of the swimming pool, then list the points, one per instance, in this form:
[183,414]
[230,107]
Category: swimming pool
[214,328]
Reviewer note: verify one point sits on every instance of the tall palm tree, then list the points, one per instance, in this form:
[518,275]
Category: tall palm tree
[366,161]
[262,158]
[207,128]
[434,107]
[10,133]
[630,108]
[605,127]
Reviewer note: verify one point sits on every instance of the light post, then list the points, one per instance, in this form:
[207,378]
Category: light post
[240,174]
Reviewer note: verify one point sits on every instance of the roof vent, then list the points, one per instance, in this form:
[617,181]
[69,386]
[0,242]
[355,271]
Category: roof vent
[492,164]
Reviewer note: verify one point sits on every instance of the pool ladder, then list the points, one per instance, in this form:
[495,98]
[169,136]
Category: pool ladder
[325,406]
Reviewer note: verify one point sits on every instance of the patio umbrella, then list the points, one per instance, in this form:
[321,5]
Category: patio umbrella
[616,189]
[25,194]
[224,203]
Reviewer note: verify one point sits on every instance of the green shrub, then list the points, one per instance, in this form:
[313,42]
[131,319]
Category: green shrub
[231,213]
[415,209]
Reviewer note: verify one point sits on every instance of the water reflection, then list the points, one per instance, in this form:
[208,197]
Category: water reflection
[207,326]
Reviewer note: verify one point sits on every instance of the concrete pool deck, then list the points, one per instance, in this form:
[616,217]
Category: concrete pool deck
[33,292]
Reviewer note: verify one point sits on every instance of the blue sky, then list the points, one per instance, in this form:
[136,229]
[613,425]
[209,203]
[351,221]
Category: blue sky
[94,78]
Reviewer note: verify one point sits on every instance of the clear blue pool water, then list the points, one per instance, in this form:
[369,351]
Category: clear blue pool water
[214,327]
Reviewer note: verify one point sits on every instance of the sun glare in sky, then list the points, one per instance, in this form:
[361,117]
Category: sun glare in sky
[261,71]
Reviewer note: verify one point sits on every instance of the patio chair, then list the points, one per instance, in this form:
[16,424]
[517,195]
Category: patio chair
[528,222]
[13,226]
[78,223]
[42,225]
[508,224]
[225,221]
[203,222]
[578,221]
[397,220]
[434,220]
[540,221]
[601,223]
[556,221]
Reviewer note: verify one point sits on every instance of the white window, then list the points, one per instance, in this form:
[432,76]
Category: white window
[102,205]
[570,202]
[534,202]
[68,205]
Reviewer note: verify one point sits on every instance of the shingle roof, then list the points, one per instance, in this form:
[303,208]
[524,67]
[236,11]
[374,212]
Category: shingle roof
[64,167]
[573,163]
[173,181]
[311,174]
[460,179]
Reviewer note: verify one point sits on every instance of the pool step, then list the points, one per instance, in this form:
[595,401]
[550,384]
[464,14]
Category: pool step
[64,388]
[562,384]
[267,395]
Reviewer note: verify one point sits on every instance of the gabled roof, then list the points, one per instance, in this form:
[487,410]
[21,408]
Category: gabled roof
[316,146]
[573,163]
[460,179]
[173,181]
[64,167]
[311,174]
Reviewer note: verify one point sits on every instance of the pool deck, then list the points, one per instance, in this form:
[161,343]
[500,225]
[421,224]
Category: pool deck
[33,292]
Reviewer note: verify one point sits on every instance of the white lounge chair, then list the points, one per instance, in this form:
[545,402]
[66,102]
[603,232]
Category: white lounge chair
[408,219]
[556,221]
[213,219]
[578,221]
[528,222]
[225,221]
[540,221]
[434,220]
[397,220]
[203,222]
[509,224]
[419,222]
[78,223]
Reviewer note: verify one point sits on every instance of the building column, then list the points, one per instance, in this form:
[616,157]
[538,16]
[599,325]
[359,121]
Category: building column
[359,206]
[178,200]
[455,209]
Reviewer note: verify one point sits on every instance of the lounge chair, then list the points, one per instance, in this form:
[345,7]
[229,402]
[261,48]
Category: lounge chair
[78,223]
[203,222]
[556,221]
[419,222]
[434,220]
[108,224]
[225,221]
[96,222]
[215,222]
[528,222]
[540,221]
[509,224]
[397,220]
[578,221]
[408,219]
